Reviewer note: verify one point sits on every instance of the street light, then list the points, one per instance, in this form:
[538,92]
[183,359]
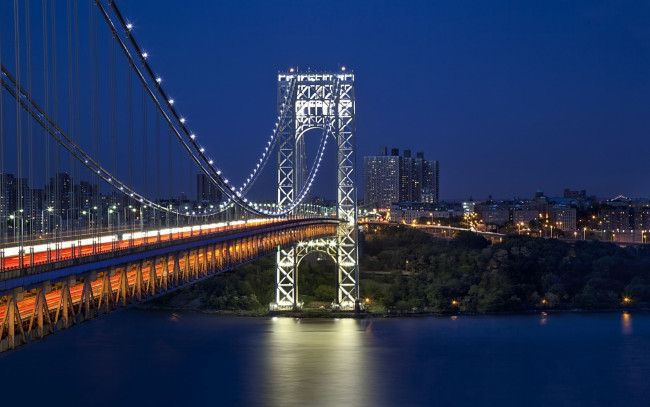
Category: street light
[49,209]
[141,220]
[110,224]
[90,217]
[87,213]
[51,213]
[13,217]
[126,219]
[94,208]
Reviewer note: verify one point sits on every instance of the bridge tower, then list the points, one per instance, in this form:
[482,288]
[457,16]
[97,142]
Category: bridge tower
[318,101]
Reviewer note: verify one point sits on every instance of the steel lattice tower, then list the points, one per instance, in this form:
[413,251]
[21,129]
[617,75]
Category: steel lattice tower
[318,101]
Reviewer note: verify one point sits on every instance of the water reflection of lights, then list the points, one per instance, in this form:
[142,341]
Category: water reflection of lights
[317,362]
[544,319]
[626,323]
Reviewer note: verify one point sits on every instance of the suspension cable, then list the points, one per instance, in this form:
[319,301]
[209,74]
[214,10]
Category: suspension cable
[196,152]
[204,164]
[64,140]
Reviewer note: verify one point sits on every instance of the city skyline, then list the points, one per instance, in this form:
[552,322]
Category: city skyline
[509,98]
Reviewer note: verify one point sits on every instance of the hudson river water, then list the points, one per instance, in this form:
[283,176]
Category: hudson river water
[163,358]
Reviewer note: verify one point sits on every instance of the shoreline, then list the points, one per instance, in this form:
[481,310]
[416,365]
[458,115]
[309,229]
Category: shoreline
[369,315]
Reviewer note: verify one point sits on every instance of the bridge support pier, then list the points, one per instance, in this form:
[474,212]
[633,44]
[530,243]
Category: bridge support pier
[286,280]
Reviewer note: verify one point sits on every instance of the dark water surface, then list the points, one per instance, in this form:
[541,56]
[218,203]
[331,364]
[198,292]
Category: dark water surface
[160,358]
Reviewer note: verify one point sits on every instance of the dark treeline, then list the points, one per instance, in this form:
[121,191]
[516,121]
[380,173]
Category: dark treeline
[404,269]
[468,273]
[251,287]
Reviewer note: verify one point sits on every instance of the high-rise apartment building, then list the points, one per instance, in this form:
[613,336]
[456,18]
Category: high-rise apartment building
[7,194]
[395,178]
[381,180]
[59,192]
[206,191]
[430,178]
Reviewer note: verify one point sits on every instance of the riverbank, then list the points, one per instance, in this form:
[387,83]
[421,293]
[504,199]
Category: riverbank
[415,274]
[327,314]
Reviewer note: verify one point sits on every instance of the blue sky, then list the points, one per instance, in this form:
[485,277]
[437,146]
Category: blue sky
[509,96]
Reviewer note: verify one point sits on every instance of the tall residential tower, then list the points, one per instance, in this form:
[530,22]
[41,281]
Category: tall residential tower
[395,178]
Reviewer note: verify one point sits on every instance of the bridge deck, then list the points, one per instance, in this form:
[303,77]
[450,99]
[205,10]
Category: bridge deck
[38,300]
[43,253]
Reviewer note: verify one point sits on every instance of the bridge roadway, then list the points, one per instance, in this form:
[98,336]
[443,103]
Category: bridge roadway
[48,290]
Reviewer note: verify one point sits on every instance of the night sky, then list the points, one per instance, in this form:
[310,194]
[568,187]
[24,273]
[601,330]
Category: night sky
[509,96]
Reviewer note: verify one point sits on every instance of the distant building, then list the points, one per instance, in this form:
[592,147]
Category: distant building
[493,214]
[563,218]
[7,194]
[395,178]
[582,194]
[625,216]
[85,194]
[408,212]
[523,215]
[206,191]
[59,192]
[430,182]
[381,180]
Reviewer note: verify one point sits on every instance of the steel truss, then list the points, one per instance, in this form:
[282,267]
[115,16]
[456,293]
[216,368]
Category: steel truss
[31,312]
[319,101]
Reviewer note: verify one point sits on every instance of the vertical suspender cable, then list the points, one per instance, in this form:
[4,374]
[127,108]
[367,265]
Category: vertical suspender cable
[113,91]
[30,128]
[145,152]
[158,158]
[188,186]
[45,221]
[19,154]
[77,92]
[74,192]
[96,115]
[129,131]
[3,177]
[93,102]
[169,171]
[55,115]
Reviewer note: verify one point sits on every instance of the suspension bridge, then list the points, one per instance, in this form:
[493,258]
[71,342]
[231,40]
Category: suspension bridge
[96,161]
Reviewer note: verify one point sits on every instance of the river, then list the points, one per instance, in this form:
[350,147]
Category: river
[164,358]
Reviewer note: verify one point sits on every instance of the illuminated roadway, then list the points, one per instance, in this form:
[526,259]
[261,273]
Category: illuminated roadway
[52,252]
[73,249]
